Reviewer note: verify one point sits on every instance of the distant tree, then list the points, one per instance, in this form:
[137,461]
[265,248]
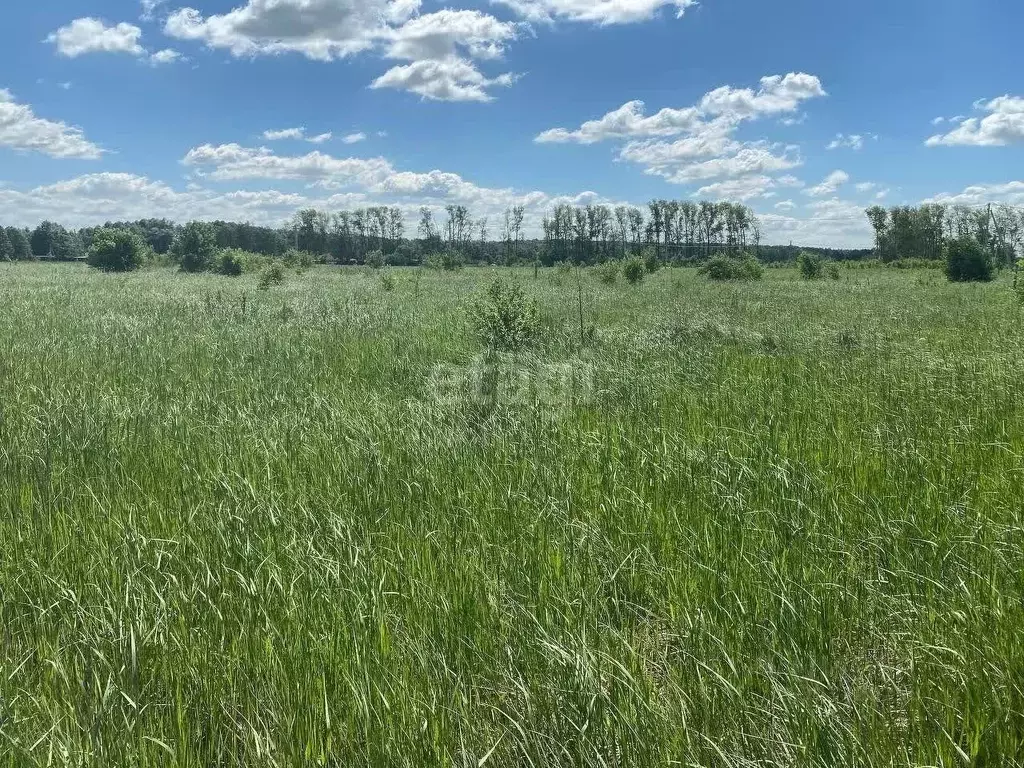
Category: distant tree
[20,248]
[50,239]
[430,239]
[116,250]
[195,247]
[42,238]
[158,233]
[6,249]
[518,213]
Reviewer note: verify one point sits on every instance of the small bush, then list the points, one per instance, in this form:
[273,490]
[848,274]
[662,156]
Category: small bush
[634,270]
[652,263]
[504,317]
[450,261]
[270,276]
[967,261]
[387,281]
[231,262]
[811,266]
[116,250]
[733,268]
[832,271]
[376,260]
[608,272]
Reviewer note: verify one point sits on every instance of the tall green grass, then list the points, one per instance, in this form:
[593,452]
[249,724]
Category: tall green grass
[780,525]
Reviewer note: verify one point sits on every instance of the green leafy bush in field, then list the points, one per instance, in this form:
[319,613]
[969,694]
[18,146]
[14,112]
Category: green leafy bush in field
[116,250]
[231,262]
[450,261]
[832,272]
[505,318]
[195,247]
[811,266]
[608,272]
[271,276]
[376,260]
[300,261]
[727,268]
[967,261]
[652,262]
[387,280]
[634,270]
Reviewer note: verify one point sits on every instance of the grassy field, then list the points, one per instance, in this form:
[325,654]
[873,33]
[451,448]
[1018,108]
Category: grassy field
[767,524]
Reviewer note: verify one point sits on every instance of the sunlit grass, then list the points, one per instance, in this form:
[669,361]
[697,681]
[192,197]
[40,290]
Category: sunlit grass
[778,523]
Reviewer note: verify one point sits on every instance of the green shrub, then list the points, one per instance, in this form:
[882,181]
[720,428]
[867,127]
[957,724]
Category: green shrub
[652,262]
[967,261]
[450,261]
[634,270]
[811,266]
[295,259]
[504,317]
[832,271]
[116,250]
[733,268]
[608,272]
[195,247]
[387,280]
[376,260]
[270,276]
[231,262]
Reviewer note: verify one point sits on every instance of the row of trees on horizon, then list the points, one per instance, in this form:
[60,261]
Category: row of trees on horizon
[923,232]
[676,231]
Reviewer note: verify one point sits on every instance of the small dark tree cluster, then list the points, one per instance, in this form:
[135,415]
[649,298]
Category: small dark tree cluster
[967,261]
[53,241]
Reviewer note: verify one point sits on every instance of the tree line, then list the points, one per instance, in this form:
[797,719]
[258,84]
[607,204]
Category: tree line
[676,231]
[925,232]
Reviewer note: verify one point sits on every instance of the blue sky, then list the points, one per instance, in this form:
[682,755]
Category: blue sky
[808,111]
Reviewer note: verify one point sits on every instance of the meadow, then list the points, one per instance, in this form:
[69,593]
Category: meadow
[775,523]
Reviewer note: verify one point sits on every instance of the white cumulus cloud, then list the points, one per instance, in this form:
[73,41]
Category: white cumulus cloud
[1003,125]
[830,185]
[707,148]
[89,35]
[442,48]
[21,129]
